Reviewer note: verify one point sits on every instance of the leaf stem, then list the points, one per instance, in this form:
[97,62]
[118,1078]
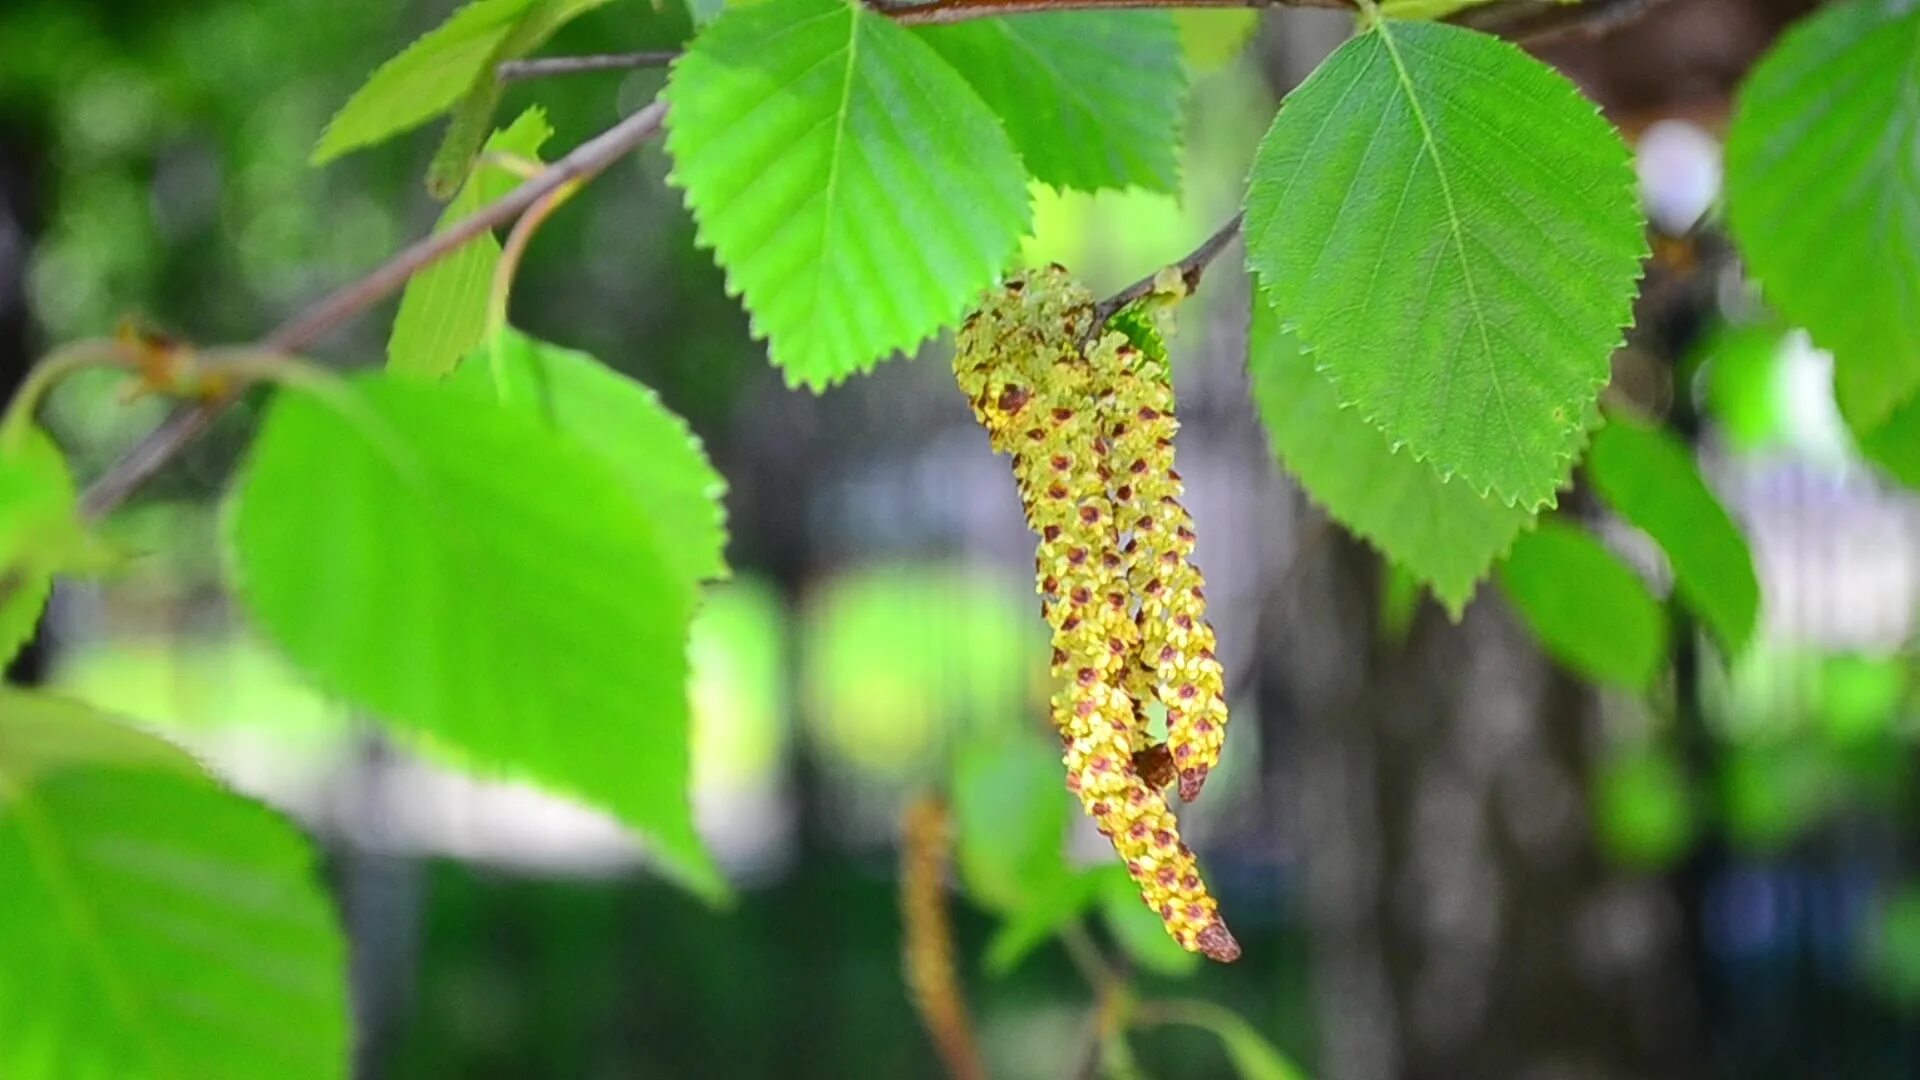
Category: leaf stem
[515,249]
[1102,977]
[139,464]
[59,364]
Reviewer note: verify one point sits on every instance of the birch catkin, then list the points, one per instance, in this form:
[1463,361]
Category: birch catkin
[1055,411]
[1176,648]
[933,979]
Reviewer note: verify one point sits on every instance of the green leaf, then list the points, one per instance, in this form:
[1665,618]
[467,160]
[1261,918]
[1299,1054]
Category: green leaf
[1453,232]
[155,924]
[450,63]
[1042,917]
[623,422]
[1650,479]
[424,80]
[473,114]
[488,588]
[1589,610]
[1747,392]
[1894,444]
[1010,816]
[1823,198]
[1437,530]
[856,189]
[39,533]
[443,312]
[1092,99]
[1138,929]
[1253,1057]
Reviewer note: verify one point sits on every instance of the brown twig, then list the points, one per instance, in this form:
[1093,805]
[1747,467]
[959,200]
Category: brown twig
[1546,22]
[146,458]
[941,12]
[548,66]
[1191,269]
[1528,21]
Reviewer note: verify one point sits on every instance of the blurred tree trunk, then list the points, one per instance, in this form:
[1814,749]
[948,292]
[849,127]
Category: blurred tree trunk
[1462,923]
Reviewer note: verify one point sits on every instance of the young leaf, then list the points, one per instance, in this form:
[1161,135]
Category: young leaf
[1652,481]
[1010,816]
[443,67]
[443,312]
[1590,611]
[1092,99]
[38,530]
[1437,530]
[1253,1057]
[1044,915]
[1453,231]
[485,586]
[473,114]
[155,924]
[424,80]
[623,422]
[856,189]
[1823,198]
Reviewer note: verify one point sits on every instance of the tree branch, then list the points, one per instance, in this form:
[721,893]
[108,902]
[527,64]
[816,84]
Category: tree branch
[1191,269]
[546,66]
[590,158]
[941,12]
[1547,22]
[1529,21]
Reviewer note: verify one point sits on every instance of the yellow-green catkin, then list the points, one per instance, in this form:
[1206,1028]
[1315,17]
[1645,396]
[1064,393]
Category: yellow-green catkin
[1020,363]
[1177,644]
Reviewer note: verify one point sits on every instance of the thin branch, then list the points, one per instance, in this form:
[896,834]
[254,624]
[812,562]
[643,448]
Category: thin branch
[548,66]
[1548,22]
[1191,269]
[146,458]
[1528,21]
[951,11]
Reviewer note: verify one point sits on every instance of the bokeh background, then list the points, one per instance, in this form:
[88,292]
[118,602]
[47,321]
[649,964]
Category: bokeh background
[1444,856]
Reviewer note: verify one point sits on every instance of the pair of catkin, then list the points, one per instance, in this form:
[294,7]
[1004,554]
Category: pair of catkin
[1090,431]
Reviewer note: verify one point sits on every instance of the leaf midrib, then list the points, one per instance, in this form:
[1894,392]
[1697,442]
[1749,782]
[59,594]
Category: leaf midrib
[46,851]
[829,193]
[1455,229]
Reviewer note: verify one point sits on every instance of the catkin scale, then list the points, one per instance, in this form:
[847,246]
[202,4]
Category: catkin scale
[1177,643]
[1044,404]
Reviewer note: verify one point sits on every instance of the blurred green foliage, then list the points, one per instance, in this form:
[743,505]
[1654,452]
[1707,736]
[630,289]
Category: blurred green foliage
[902,659]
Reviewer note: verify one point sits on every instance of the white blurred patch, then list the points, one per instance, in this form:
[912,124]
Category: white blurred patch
[1679,168]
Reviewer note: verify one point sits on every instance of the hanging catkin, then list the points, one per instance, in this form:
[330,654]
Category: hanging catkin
[933,979]
[1176,647]
[1050,408]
